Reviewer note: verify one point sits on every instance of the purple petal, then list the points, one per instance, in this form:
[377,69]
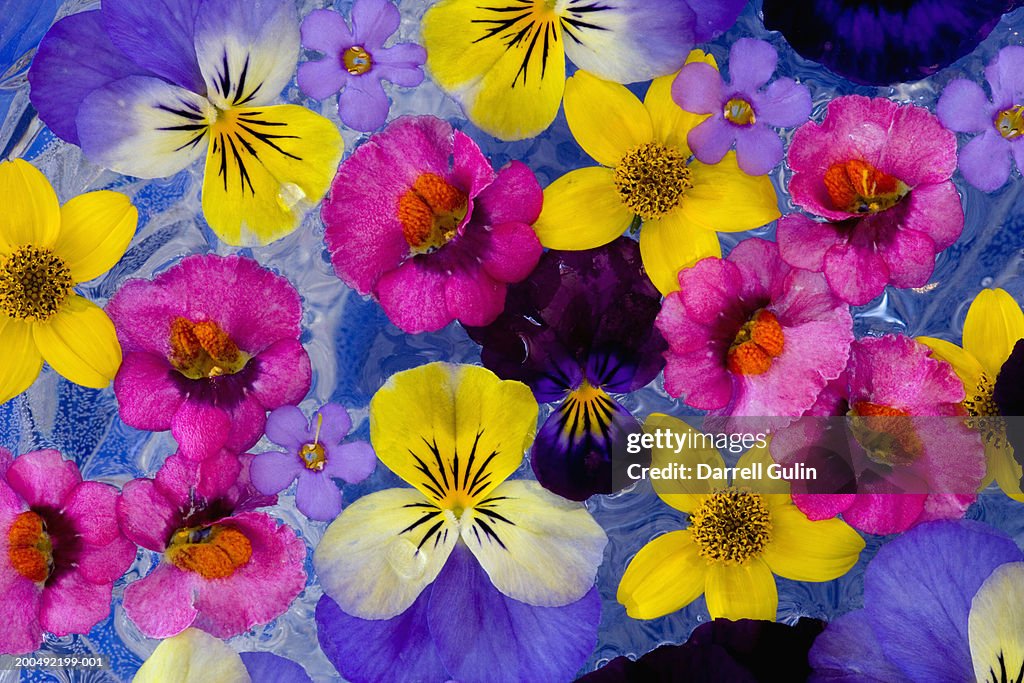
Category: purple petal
[326,31]
[712,139]
[322,78]
[784,103]
[963,107]
[288,427]
[373,22]
[1004,77]
[985,161]
[273,472]
[363,104]
[401,64]
[336,423]
[758,149]
[511,641]
[1018,155]
[751,63]
[848,652]
[699,89]
[266,667]
[714,17]
[317,496]
[351,462]
[158,35]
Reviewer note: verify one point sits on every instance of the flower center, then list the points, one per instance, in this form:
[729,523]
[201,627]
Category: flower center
[731,526]
[756,344]
[357,60]
[29,547]
[313,456]
[652,179]
[1010,122]
[430,212]
[740,112]
[213,552]
[856,186]
[885,433]
[33,283]
[983,413]
[203,350]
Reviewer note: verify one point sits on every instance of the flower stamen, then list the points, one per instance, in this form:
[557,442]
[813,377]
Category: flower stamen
[29,547]
[855,186]
[313,455]
[33,283]
[431,212]
[1010,122]
[652,179]
[983,413]
[757,343]
[885,433]
[740,112]
[731,526]
[357,60]
[213,552]
[203,350]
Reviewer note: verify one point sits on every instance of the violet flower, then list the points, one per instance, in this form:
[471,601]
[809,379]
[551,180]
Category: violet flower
[355,61]
[742,110]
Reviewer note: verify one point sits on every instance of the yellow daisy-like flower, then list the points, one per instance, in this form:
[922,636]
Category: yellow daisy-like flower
[736,541]
[45,250]
[995,323]
[647,173]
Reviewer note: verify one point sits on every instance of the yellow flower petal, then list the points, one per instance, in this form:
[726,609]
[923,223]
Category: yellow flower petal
[606,119]
[1005,469]
[995,625]
[193,656]
[671,123]
[741,591]
[725,199]
[265,168]
[536,547]
[31,213]
[683,493]
[666,575]
[966,366]
[582,210]
[803,550]
[453,431]
[20,361]
[994,324]
[79,343]
[671,243]
[95,230]
[503,61]
[778,489]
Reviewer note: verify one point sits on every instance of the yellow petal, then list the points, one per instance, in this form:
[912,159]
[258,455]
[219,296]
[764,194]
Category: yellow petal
[606,119]
[95,230]
[31,213]
[682,493]
[725,199]
[1005,469]
[265,168]
[453,431]
[20,361]
[666,575]
[376,558]
[803,550]
[995,625]
[671,122]
[741,591]
[79,343]
[503,61]
[671,243]
[582,210]
[193,656]
[966,366]
[994,324]
[536,547]
[778,489]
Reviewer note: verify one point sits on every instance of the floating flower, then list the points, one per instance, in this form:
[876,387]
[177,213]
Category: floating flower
[743,651]
[225,567]
[417,217]
[407,573]
[355,61]
[941,603]
[586,319]
[210,346]
[750,336]
[45,251]
[61,549]
[741,110]
[877,43]
[985,161]
[146,90]
[315,455]
[646,175]
[504,61]
[736,540]
[879,172]
[905,446]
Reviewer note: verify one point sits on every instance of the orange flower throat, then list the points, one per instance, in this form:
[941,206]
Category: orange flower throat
[430,212]
[214,552]
[29,547]
[203,350]
[856,186]
[758,342]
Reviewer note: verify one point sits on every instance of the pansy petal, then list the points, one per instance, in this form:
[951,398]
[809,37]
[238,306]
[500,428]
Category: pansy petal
[31,214]
[741,591]
[993,326]
[95,230]
[671,243]
[996,624]
[606,119]
[665,576]
[582,210]
[725,199]
[79,342]
[265,169]
[266,667]
[377,557]
[20,360]
[192,656]
[157,35]
[803,550]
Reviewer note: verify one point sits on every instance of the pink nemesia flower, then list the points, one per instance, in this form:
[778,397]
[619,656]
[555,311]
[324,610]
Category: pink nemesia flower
[417,217]
[225,568]
[750,336]
[879,172]
[891,380]
[209,346]
[61,549]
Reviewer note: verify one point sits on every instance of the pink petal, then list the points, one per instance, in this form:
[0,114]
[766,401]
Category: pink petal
[710,288]
[936,211]
[856,274]
[471,169]
[699,378]
[910,257]
[107,563]
[413,297]
[284,375]
[474,297]
[141,312]
[918,149]
[946,506]
[885,513]
[515,196]
[147,396]
[92,508]
[818,506]
[19,603]
[162,604]
[248,418]
[512,252]
[146,516]
[762,271]
[43,478]
[70,604]
[200,429]
[803,242]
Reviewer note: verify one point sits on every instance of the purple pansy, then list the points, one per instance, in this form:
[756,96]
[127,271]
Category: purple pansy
[742,110]
[586,319]
[314,454]
[355,61]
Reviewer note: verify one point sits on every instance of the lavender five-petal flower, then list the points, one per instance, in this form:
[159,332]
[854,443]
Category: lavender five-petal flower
[355,61]
[741,110]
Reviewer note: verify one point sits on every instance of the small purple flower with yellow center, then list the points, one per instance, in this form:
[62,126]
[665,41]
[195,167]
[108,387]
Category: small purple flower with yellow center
[742,110]
[314,455]
[355,61]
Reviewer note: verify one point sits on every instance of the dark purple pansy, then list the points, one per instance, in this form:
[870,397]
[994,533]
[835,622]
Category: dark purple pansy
[879,42]
[1009,397]
[579,328]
